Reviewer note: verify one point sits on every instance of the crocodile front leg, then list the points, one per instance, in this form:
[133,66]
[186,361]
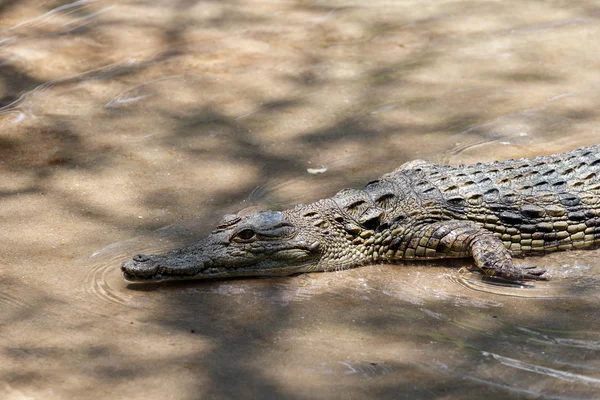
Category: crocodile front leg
[454,239]
[494,259]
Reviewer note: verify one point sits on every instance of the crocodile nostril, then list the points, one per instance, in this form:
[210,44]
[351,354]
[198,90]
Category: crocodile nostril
[141,258]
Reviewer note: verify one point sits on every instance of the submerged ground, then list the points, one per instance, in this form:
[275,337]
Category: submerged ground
[133,126]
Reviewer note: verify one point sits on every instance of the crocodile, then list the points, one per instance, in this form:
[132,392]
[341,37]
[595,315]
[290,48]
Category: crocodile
[420,211]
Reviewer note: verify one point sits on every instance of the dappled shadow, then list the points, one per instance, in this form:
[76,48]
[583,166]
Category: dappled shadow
[15,82]
[117,125]
[340,341]
[451,344]
[362,129]
[47,148]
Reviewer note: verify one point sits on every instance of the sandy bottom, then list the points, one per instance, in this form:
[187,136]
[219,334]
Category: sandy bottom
[132,127]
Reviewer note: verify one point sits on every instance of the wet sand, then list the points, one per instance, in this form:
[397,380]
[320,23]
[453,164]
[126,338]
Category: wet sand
[133,127]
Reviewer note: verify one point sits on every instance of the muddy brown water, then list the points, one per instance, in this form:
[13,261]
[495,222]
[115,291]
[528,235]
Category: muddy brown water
[131,127]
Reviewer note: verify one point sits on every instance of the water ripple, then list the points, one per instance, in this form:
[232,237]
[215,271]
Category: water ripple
[538,369]
[567,342]
[479,283]
[102,283]
[423,285]
[104,280]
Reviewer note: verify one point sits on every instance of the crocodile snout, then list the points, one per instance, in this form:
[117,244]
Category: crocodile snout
[139,268]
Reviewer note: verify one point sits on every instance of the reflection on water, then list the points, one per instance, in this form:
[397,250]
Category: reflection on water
[132,127]
[555,288]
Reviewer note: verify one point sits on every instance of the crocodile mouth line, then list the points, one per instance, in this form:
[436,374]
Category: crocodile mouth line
[265,266]
[217,272]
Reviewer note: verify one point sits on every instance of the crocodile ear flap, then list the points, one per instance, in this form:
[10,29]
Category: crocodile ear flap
[371,219]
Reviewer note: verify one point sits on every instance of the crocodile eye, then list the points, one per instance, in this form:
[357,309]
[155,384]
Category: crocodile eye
[244,235]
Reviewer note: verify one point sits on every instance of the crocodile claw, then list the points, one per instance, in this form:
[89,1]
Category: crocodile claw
[520,275]
[531,273]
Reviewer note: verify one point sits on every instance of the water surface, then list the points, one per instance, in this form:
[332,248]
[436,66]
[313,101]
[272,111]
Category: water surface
[133,127]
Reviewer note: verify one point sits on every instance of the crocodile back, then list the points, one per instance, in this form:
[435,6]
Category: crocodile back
[543,203]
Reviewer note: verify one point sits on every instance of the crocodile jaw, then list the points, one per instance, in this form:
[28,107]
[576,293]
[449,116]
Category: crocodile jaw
[193,263]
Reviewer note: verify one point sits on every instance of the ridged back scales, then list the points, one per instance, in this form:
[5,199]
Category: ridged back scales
[547,201]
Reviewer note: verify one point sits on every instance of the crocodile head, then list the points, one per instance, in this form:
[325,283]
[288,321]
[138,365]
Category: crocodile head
[265,243]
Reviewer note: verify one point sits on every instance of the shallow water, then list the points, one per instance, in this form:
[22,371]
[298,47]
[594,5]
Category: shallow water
[132,127]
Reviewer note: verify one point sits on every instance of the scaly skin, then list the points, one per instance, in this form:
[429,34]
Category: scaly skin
[424,211]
